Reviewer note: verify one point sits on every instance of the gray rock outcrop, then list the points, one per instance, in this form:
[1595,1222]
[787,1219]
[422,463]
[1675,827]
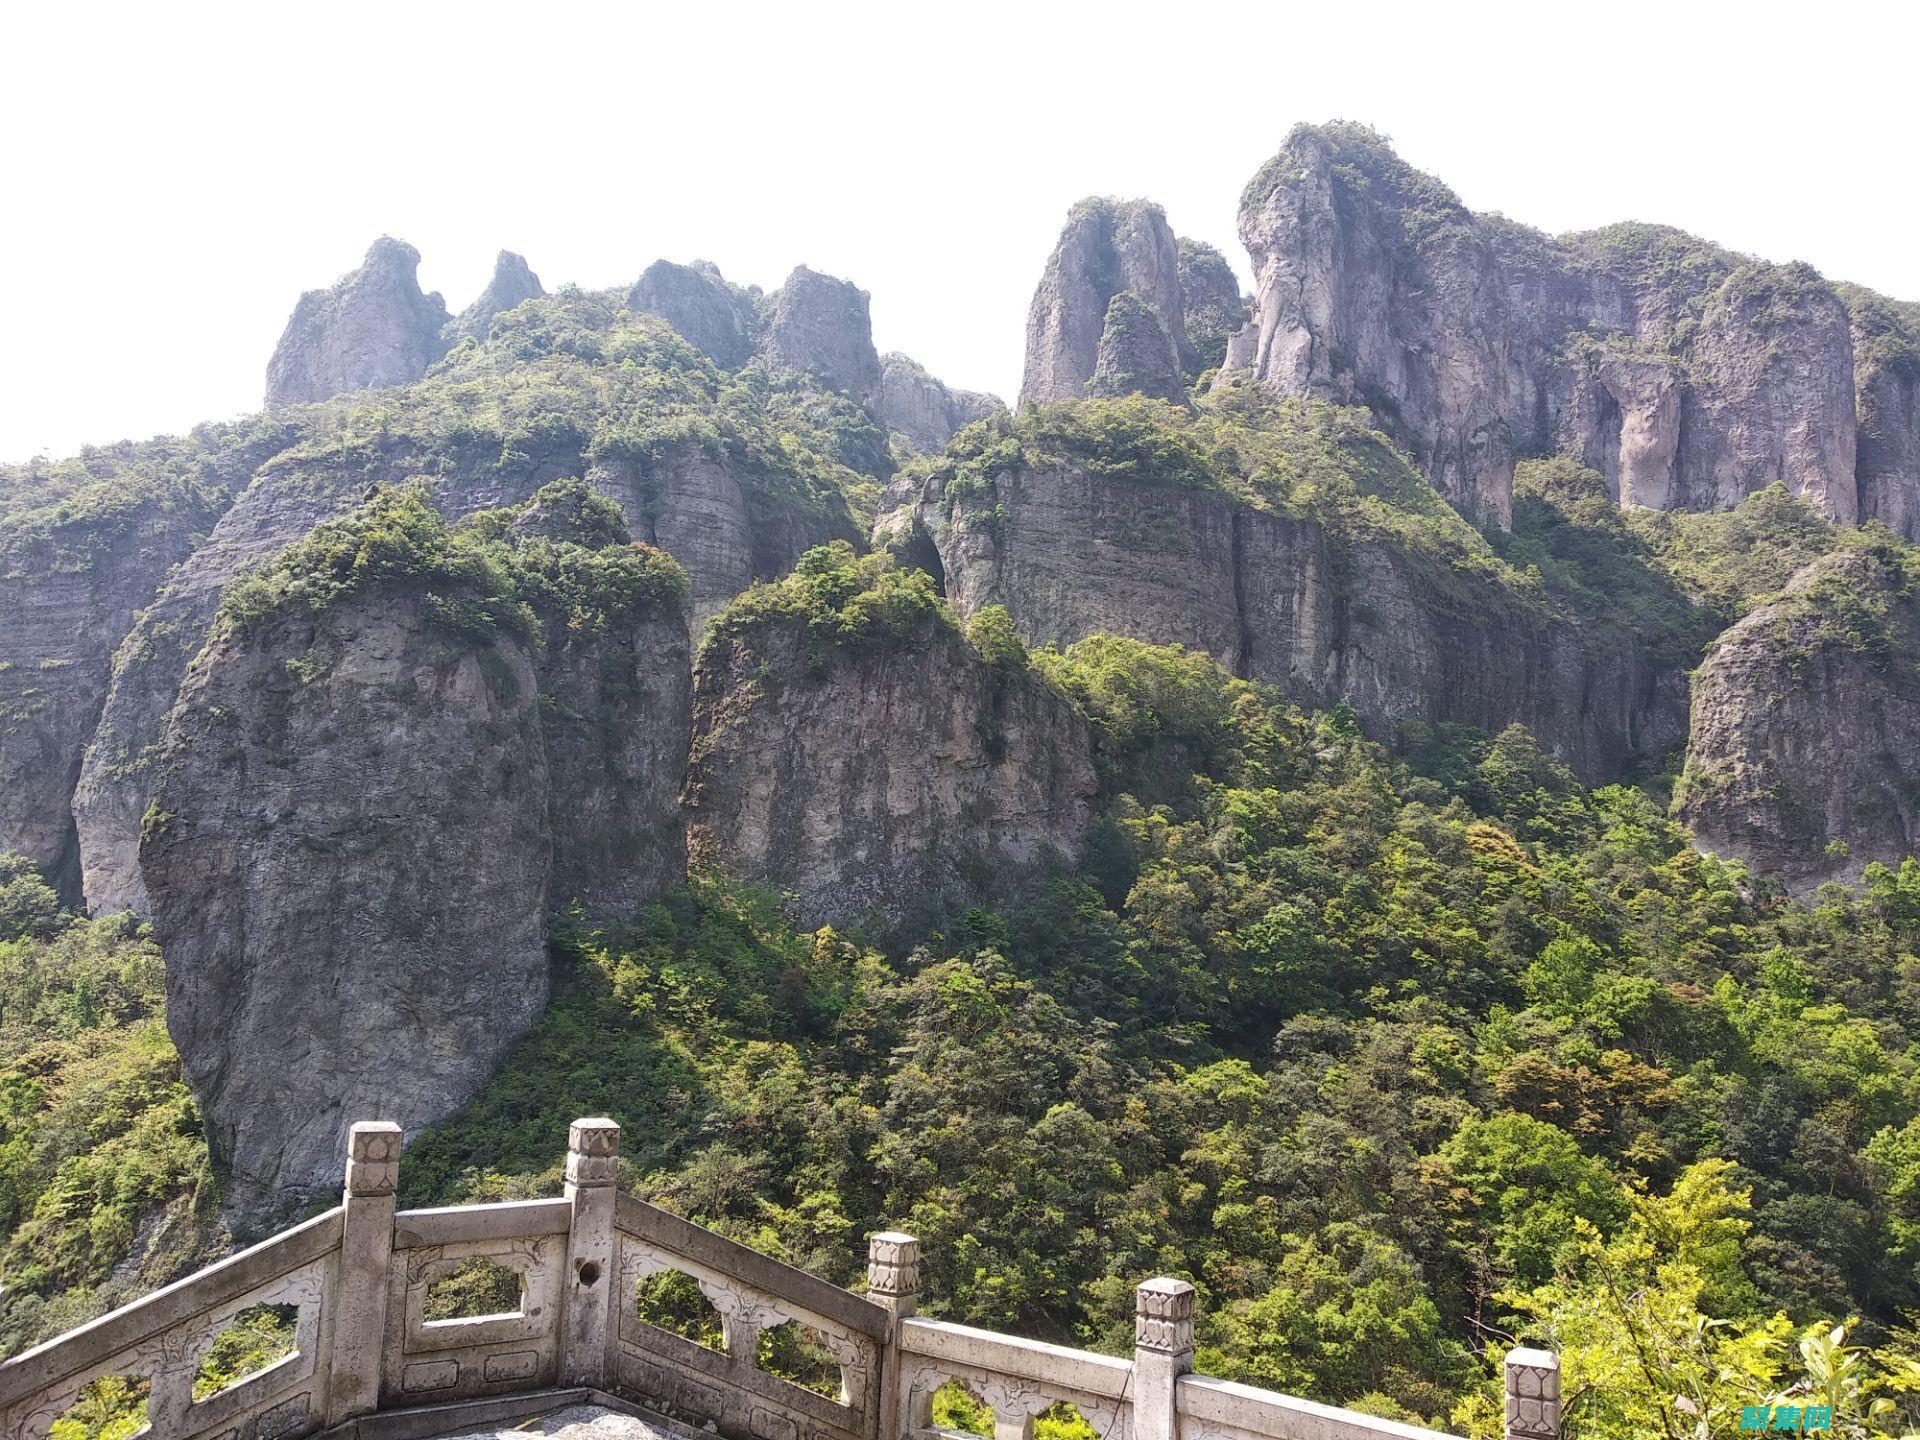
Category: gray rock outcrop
[719,319]
[921,411]
[697,507]
[286,499]
[373,328]
[513,283]
[348,875]
[71,583]
[1213,307]
[1351,619]
[823,327]
[1800,751]
[892,776]
[1688,376]
[364,816]
[1886,369]
[1136,355]
[1108,247]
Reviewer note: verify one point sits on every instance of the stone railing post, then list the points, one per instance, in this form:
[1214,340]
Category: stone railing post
[893,1282]
[1533,1395]
[1162,1353]
[593,1145]
[366,1253]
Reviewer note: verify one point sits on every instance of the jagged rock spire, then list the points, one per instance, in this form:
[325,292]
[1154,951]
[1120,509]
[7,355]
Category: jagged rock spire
[1108,247]
[374,327]
[513,283]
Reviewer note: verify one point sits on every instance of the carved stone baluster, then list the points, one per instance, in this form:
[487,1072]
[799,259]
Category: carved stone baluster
[893,1283]
[359,1303]
[1533,1394]
[593,1147]
[1162,1353]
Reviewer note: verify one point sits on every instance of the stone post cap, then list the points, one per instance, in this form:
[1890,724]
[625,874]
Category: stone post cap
[593,1144]
[373,1157]
[1522,1357]
[893,1264]
[1163,1316]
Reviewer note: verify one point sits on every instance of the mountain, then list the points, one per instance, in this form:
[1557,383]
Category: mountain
[1334,793]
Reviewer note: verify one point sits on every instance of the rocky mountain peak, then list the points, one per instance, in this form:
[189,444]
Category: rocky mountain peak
[716,317]
[823,326]
[1107,248]
[513,283]
[374,327]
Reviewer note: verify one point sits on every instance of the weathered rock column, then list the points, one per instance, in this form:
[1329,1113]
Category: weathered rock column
[593,1145]
[1533,1395]
[893,1283]
[1162,1353]
[366,1254]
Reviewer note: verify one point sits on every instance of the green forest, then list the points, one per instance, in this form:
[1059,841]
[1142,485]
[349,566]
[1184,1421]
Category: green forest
[1398,1057]
[1402,1049]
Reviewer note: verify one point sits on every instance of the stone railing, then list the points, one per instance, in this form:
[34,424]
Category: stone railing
[369,1361]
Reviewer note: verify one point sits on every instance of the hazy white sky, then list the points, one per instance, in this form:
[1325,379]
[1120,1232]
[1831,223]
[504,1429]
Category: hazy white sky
[175,175]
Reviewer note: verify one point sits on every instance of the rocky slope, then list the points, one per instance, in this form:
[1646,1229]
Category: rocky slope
[919,411]
[1886,370]
[854,751]
[1805,721]
[373,328]
[822,326]
[1689,376]
[378,781]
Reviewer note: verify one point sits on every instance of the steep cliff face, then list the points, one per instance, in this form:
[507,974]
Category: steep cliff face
[1112,537]
[378,781]
[1805,720]
[1886,361]
[919,410]
[348,873]
[288,497]
[373,328]
[889,767]
[1377,288]
[614,667]
[1108,247]
[1690,377]
[708,515]
[1136,356]
[823,327]
[719,319]
[513,283]
[85,548]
